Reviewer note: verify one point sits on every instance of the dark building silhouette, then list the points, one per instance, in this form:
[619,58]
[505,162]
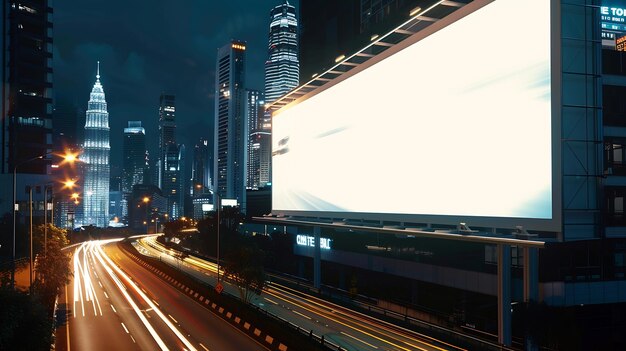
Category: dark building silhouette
[330,28]
[25,96]
[146,204]
[134,162]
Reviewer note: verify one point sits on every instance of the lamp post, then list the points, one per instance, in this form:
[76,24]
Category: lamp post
[146,200]
[66,184]
[68,157]
[30,271]
[45,220]
[219,204]
[15,212]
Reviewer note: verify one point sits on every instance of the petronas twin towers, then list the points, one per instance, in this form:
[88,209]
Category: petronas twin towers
[95,159]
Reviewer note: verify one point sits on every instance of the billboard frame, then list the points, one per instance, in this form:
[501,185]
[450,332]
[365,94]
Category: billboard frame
[555,224]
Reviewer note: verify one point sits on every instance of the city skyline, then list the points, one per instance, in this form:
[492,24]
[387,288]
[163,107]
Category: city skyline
[139,69]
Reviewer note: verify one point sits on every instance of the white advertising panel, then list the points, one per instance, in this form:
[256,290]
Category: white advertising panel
[229,202]
[457,124]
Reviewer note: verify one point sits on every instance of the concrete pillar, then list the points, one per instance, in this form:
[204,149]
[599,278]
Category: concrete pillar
[317,259]
[504,294]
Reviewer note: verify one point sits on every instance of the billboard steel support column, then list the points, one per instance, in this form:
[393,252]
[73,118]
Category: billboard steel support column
[317,259]
[531,284]
[531,278]
[504,294]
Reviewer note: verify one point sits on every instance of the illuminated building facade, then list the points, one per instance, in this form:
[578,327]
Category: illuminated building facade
[230,123]
[171,161]
[259,142]
[167,128]
[172,182]
[282,68]
[95,159]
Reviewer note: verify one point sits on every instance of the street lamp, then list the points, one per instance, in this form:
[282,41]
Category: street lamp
[66,184]
[67,158]
[146,200]
[219,204]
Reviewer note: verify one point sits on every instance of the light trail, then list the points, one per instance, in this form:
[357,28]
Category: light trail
[102,256]
[78,293]
[132,303]
[350,319]
[89,287]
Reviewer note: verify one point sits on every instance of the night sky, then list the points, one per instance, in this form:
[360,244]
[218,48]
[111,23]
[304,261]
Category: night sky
[149,47]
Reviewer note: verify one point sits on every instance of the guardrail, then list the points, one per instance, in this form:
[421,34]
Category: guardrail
[366,304]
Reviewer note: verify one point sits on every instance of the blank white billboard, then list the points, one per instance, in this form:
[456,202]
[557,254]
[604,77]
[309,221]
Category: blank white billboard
[456,124]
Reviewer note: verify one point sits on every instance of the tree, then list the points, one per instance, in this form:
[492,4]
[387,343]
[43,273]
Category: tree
[172,228]
[53,267]
[244,265]
[24,321]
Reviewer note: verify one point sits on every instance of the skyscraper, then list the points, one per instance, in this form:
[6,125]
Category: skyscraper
[282,68]
[25,96]
[135,160]
[172,181]
[259,141]
[134,163]
[171,160]
[167,128]
[230,123]
[95,159]
[201,169]
[201,187]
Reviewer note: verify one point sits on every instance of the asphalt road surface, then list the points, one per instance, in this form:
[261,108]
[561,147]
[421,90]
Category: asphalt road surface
[108,308]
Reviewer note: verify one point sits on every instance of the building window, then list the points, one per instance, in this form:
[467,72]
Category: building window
[614,105]
[614,206]
[614,162]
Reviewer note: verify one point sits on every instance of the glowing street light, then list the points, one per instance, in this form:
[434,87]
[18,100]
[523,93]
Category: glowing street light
[67,158]
[70,183]
[145,201]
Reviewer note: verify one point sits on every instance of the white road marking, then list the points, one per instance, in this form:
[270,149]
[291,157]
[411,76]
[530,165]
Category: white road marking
[357,339]
[272,301]
[303,315]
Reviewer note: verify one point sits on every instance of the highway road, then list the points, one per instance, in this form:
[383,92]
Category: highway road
[346,328]
[108,308]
